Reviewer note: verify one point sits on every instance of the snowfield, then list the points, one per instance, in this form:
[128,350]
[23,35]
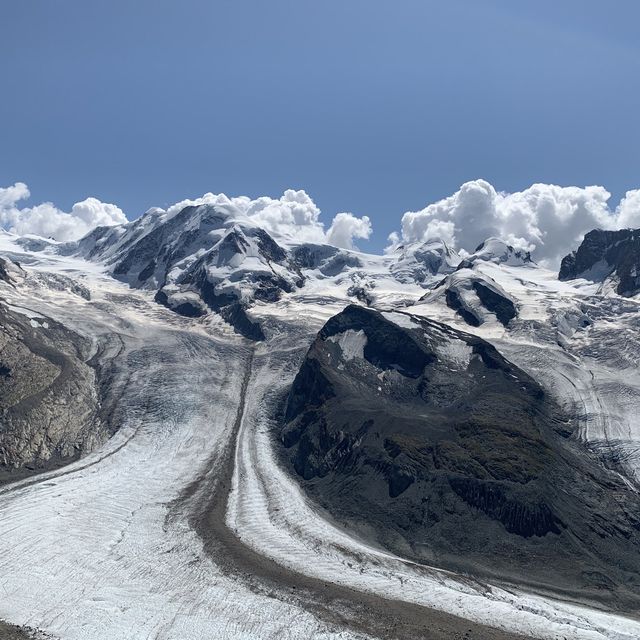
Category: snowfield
[121,545]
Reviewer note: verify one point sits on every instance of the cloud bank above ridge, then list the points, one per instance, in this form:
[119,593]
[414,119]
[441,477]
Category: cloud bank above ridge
[546,219]
[48,221]
[292,217]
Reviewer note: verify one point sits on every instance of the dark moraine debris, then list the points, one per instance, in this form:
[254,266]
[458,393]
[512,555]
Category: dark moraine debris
[429,441]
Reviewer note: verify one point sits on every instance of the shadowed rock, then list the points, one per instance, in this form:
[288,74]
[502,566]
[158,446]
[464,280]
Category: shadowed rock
[607,256]
[428,440]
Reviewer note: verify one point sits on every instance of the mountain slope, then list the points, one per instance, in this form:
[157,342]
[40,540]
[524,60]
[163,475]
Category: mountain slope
[508,456]
[48,394]
[449,454]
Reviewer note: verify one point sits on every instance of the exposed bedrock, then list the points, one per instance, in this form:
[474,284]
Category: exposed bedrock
[475,298]
[49,400]
[610,257]
[429,441]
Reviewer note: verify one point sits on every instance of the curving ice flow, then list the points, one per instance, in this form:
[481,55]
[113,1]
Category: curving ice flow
[269,512]
[97,550]
[107,549]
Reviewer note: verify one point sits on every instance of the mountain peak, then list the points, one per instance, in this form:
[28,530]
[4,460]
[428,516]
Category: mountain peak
[498,251]
[419,261]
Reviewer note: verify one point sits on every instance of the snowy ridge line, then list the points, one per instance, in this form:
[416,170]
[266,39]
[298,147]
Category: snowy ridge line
[271,515]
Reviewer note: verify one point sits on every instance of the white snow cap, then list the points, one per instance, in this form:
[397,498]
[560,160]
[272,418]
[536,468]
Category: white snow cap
[48,221]
[546,219]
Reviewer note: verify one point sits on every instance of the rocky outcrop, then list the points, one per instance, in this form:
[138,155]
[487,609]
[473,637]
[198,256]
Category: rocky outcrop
[610,257]
[329,261]
[10,272]
[475,297]
[430,441]
[49,399]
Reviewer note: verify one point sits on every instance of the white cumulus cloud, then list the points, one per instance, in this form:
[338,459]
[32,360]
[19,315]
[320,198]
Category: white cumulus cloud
[50,222]
[629,210]
[546,219]
[294,217]
[345,227]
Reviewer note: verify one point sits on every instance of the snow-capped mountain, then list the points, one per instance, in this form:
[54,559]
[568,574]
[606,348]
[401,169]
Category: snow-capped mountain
[449,440]
[197,260]
[419,262]
[499,252]
[204,258]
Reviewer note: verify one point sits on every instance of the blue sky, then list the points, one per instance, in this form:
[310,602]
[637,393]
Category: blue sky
[371,107]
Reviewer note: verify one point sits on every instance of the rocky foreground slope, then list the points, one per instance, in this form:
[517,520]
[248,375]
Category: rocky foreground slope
[49,393]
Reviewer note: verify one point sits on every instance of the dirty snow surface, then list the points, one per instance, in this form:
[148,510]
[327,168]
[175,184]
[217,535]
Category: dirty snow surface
[177,525]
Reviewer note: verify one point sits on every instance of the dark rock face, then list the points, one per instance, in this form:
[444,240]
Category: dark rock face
[4,272]
[448,453]
[361,293]
[186,309]
[10,271]
[607,255]
[329,260]
[236,315]
[313,256]
[473,296]
[454,302]
[49,400]
[504,308]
